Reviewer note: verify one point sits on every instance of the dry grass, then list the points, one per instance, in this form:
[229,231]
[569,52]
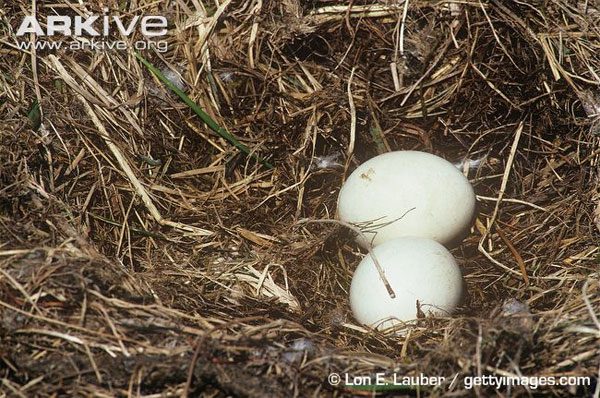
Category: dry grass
[142,255]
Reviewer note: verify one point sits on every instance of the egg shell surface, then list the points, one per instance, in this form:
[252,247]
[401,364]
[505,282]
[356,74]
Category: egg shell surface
[408,193]
[416,269]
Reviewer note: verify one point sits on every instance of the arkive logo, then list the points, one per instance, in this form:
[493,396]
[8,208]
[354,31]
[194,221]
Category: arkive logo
[78,26]
[92,32]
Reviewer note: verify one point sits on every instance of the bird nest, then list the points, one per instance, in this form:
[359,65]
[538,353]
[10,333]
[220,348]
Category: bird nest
[144,252]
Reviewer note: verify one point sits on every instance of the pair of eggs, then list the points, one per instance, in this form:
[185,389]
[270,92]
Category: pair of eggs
[408,204]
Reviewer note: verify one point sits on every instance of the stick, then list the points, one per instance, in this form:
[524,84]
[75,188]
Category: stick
[509,162]
[357,230]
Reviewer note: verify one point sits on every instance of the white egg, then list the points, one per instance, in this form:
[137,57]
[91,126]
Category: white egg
[417,269]
[408,193]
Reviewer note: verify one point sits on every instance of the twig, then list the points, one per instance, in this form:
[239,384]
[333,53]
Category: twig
[369,248]
[334,12]
[190,374]
[509,163]
[21,289]
[519,201]
[588,305]
[352,116]
[34,69]
[401,39]
[515,254]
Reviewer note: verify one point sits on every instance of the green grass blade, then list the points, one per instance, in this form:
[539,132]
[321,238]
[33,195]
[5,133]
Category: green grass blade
[198,111]
[34,115]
